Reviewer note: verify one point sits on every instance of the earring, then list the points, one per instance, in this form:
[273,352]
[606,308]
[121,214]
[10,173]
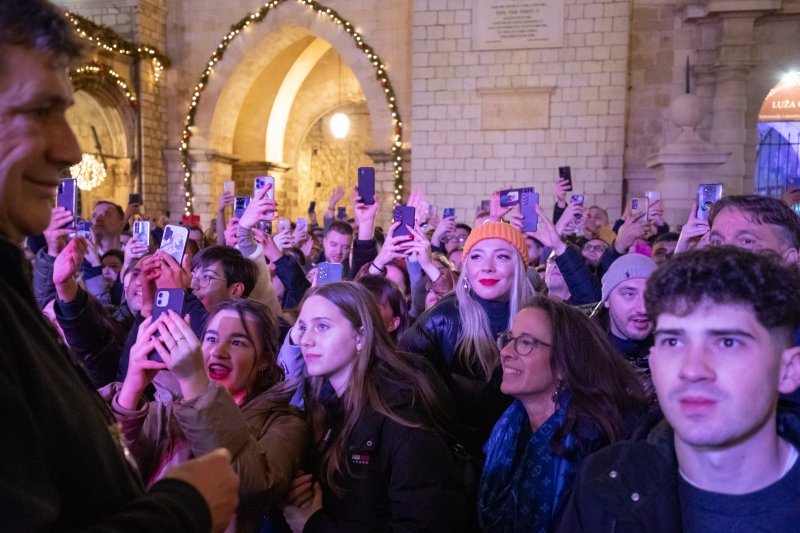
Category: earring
[466,285]
[556,397]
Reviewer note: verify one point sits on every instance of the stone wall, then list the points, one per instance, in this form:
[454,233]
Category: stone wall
[459,162]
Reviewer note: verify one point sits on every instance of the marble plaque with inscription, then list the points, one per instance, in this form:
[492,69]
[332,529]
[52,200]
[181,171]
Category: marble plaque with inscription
[517,24]
[515,109]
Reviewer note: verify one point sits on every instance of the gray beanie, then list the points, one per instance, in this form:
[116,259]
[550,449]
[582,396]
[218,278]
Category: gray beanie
[629,266]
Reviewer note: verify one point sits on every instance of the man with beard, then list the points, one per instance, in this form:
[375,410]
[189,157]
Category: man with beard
[623,312]
[724,458]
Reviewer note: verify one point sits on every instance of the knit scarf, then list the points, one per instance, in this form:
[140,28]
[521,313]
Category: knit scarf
[522,480]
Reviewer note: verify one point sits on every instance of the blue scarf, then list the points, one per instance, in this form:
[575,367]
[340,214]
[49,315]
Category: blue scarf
[522,480]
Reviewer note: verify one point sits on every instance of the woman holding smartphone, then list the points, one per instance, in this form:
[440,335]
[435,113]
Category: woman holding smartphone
[234,396]
[459,334]
[381,460]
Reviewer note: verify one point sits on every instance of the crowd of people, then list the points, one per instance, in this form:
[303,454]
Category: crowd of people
[441,375]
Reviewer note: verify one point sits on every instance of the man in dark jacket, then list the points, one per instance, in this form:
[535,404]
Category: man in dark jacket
[64,467]
[725,457]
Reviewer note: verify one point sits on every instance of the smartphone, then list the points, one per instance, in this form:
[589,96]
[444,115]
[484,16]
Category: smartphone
[366,185]
[265,225]
[527,207]
[792,183]
[83,228]
[135,199]
[284,224]
[141,231]
[228,186]
[301,223]
[639,205]
[165,300]
[174,241]
[486,205]
[341,213]
[577,199]
[312,206]
[449,212]
[240,203]
[328,273]
[652,197]
[405,215]
[707,194]
[262,181]
[565,173]
[67,198]
[510,197]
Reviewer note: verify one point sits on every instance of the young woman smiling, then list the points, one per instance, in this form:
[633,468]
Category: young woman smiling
[458,334]
[234,397]
[381,462]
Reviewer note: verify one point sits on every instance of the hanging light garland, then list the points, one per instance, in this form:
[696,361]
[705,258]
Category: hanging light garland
[89,173]
[103,71]
[109,40]
[258,16]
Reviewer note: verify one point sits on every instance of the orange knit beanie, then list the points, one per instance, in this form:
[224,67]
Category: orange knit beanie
[498,230]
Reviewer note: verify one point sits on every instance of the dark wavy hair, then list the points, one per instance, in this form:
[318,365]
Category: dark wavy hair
[263,335]
[378,368]
[762,210]
[727,275]
[40,25]
[604,389]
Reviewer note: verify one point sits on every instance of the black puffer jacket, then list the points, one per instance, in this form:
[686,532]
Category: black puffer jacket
[400,478]
[478,401]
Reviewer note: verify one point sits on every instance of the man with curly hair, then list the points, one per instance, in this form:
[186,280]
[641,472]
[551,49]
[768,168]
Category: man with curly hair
[724,457]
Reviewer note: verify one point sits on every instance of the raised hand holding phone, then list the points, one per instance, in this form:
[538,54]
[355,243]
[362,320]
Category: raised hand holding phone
[261,208]
[141,369]
[58,230]
[179,348]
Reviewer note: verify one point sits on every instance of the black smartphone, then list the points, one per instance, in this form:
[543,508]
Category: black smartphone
[527,207]
[565,173]
[312,206]
[328,273]
[449,212]
[405,215]
[173,243]
[67,198]
[240,203]
[707,194]
[366,185]
[341,213]
[510,197]
[134,199]
[165,300]
[486,205]
[265,225]
[141,231]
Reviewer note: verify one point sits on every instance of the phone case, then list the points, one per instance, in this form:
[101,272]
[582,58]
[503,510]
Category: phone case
[284,224]
[141,231]
[707,194]
[165,300]
[406,215]
[135,199]
[260,182]
[449,212]
[639,205]
[527,207]
[228,186]
[240,203]
[67,198]
[366,185]
[565,173]
[341,213]
[174,241]
[301,223]
[328,273]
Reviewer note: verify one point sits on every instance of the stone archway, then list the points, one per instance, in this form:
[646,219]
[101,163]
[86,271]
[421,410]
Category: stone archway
[213,150]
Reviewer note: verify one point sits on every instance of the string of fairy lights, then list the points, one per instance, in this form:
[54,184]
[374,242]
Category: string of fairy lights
[107,39]
[103,71]
[258,16]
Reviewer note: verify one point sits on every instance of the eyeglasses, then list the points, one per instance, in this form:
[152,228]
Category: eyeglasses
[203,280]
[524,344]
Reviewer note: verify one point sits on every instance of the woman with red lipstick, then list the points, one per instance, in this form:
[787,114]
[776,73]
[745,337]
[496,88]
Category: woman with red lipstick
[234,396]
[458,334]
[572,395]
[381,460]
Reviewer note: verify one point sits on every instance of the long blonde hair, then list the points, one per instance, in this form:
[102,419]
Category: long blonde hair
[476,343]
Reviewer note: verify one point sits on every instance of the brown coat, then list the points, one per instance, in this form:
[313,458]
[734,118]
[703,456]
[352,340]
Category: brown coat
[268,439]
